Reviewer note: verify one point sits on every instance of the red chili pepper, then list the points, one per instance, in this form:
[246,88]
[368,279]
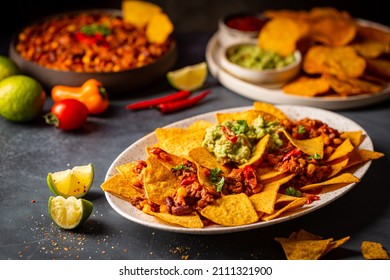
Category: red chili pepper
[147,104]
[250,176]
[311,197]
[291,153]
[170,107]
[188,180]
[229,134]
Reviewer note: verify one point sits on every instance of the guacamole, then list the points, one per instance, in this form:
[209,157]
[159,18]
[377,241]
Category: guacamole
[234,141]
[253,57]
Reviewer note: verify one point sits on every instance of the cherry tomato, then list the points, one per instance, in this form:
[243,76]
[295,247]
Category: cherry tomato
[67,114]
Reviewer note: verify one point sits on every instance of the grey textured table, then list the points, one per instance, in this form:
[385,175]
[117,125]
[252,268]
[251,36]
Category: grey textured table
[29,151]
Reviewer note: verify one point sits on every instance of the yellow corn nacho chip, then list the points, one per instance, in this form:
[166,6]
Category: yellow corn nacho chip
[190,138]
[356,137]
[270,109]
[311,147]
[374,251]
[231,210]
[159,182]
[342,178]
[342,150]
[303,245]
[118,186]
[189,221]
[259,150]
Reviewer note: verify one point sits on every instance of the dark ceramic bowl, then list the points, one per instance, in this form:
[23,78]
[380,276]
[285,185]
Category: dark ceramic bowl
[116,83]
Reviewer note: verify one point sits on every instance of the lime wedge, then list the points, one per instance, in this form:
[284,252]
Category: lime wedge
[189,78]
[68,213]
[71,182]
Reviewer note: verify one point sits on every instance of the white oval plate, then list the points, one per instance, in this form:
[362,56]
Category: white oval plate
[137,151]
[276,95]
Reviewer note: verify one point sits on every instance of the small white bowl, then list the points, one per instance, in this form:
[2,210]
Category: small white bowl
[272,78]
[227,35]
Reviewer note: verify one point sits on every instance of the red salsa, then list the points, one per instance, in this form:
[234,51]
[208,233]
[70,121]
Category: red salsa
[246,23]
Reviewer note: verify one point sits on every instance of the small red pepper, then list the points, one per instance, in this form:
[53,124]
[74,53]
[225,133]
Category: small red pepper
[291,153]
[147,104]
[188,180]
[229,134]
[311,197]
[170,107]
[250,177]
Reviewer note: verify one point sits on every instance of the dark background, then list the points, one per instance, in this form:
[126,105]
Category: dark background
[199,15]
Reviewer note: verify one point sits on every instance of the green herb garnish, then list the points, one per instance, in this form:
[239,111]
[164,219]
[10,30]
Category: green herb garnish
[92,29]
[315,156]
[240,127]
[301,129]
[180,167]
[293,192]
[217,178]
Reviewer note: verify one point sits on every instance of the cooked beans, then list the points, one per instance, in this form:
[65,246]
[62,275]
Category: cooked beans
[56,44]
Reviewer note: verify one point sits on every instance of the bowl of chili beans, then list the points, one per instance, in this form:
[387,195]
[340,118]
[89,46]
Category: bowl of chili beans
[70,48]
[236,27]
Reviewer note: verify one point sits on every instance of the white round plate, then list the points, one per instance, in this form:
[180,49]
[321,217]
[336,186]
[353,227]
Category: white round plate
[137,151]
[277,96]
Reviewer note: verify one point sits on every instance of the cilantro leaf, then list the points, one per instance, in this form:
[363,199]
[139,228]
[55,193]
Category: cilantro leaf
[240,127]
[301,129]
[181,166]
[217,178]
[293,192]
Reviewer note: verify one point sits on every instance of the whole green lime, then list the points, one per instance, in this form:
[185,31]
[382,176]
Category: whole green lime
[8,67]
[21,98]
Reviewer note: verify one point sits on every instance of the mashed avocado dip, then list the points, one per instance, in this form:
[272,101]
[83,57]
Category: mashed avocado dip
[234,141]
[253,57]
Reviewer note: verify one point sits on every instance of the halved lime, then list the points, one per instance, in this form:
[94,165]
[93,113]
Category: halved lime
[68,213]
[190,77]
[71,182]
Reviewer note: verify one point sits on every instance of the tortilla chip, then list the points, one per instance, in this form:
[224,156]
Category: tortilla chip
[303,245]
[204,158]
[311,146]
[294,204]
[352,86]
[342,150]
[118,186]
[371,48]
[332,27]
[374,251]
[356,137]
[189,221]
[139,13]
[342,178]
[265,200]
[307,86]
[338,167]
[127,171]
[338,61]
[159,28]
[303,249]
[362,155]
[249,116]
[336,243]
[304,235]
[280,35]
[259,151]
[270,109]
[159,182]
[190,137]
[231,210]
[169,160]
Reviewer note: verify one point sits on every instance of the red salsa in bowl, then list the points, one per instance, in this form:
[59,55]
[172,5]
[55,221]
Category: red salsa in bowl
[245,22]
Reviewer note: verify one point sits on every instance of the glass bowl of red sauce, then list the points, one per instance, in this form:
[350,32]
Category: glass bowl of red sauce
[234,28]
